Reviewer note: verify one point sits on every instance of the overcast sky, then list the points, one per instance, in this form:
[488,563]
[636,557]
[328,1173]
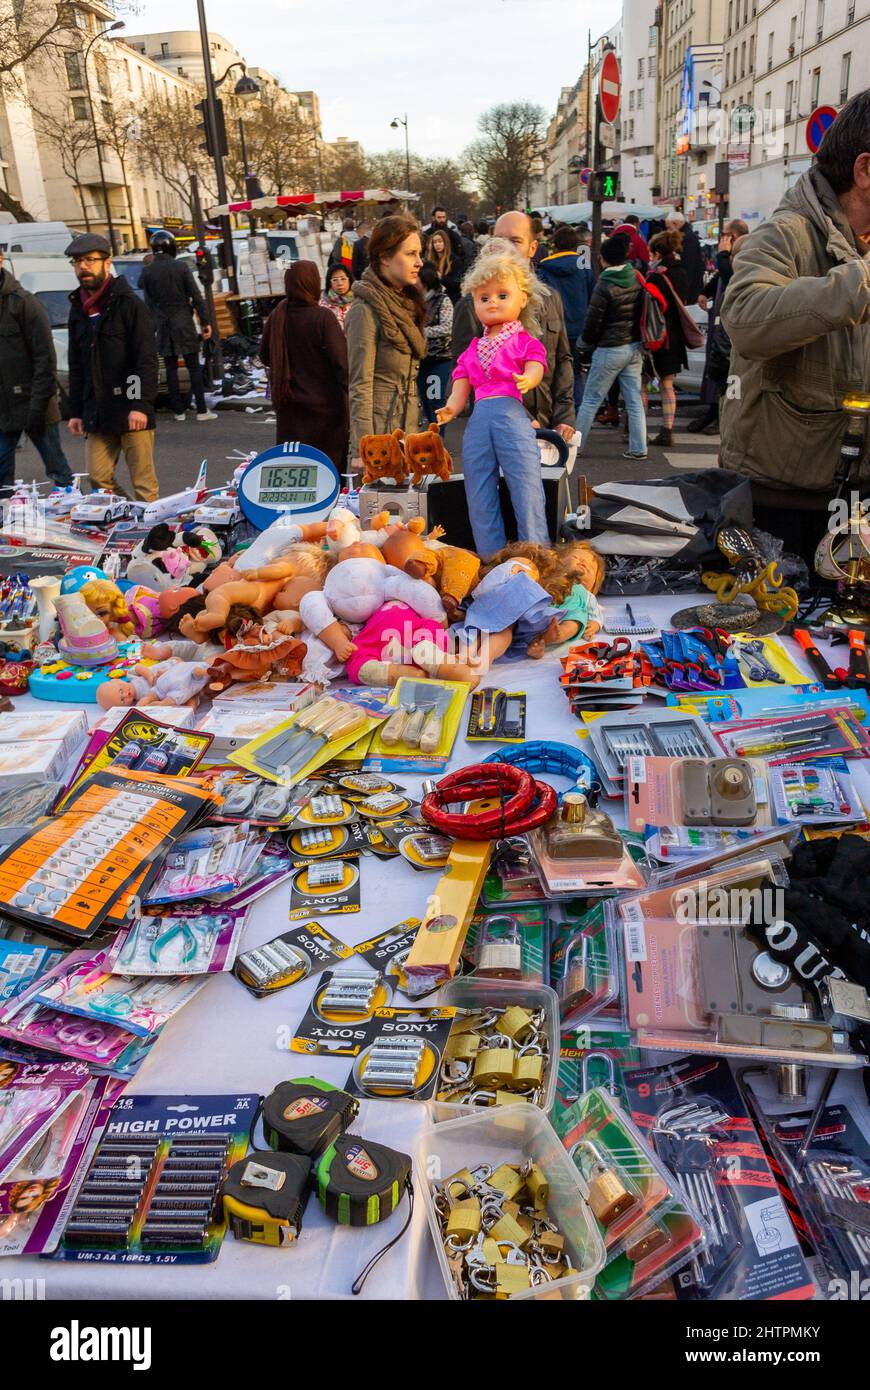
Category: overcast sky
[443,62]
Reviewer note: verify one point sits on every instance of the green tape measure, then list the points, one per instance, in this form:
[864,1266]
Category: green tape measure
[360,1183]
[306,1115]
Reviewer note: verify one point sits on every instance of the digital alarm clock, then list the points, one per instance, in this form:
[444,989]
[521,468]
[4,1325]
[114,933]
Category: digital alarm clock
[289,479]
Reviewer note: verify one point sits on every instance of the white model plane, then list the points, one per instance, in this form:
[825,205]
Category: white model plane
[164,508]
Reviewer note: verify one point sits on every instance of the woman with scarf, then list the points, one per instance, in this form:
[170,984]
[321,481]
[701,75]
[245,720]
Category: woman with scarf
[386,339]
[337,296]
[304,349]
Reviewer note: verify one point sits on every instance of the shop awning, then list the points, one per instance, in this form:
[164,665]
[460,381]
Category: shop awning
[332,198]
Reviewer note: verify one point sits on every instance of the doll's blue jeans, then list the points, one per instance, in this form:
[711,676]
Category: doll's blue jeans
[499,435]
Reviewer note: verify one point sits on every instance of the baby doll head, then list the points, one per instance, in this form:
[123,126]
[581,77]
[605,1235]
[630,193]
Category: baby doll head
[582,563]
[106,602]
[115,695]
[502,285]
[309,561]
[549,572]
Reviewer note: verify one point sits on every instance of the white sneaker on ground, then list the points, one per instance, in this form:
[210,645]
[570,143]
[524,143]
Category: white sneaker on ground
[181,417]
[206,415]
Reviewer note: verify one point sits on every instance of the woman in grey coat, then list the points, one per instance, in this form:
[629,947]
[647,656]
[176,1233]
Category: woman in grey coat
[386,339]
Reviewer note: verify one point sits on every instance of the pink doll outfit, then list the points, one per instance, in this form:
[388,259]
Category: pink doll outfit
[377,639]
[491,361]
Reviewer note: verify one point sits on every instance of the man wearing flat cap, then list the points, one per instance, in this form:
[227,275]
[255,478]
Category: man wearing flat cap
[112,371]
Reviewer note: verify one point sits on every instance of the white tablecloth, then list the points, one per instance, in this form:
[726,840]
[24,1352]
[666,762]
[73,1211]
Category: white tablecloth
[225,1040]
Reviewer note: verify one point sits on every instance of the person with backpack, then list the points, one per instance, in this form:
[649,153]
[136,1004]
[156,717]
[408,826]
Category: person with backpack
[669,277]
[613,331]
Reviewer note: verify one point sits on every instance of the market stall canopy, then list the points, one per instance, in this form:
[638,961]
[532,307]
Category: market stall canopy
[334,198]
[582,212]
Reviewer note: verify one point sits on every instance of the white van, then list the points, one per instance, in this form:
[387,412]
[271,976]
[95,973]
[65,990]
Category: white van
[35,238]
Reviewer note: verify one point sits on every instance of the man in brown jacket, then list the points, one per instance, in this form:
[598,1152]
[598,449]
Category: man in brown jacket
[797,312]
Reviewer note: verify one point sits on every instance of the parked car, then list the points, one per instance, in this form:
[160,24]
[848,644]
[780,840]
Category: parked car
[35,238]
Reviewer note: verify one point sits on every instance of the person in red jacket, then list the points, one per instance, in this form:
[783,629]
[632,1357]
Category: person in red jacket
[638,251]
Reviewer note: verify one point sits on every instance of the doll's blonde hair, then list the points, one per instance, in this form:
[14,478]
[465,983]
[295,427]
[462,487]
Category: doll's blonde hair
[500,260]
[104,591]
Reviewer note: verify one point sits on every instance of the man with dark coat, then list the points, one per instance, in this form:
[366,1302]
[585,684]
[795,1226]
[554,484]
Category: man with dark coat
[691,255]
[28,389]
[173,296]
[112,370]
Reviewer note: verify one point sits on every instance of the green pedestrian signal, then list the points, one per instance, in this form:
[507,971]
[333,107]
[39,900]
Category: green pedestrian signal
[605,186]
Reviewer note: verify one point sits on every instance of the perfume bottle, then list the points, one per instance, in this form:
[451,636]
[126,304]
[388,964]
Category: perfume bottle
[579,832]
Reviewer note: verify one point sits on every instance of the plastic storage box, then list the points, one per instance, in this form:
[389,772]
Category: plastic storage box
[470,992]
[513,1134]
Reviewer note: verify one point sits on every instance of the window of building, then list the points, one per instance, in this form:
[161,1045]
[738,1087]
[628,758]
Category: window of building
[102,75]
[815,79]
[640,98]
[651,66]
[106,107]
[850,11]
[845,66]
[769,52]
[767,100]
[743,59]
[820,20]
[640,67]
[74,70]
[730,16]
[789,98]
[727,69]
[79,109]
[164,50]
[631,100]
[792,35]
[652,36]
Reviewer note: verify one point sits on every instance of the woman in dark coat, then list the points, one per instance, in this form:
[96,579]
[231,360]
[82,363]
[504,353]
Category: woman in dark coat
[667,274]
[305,351]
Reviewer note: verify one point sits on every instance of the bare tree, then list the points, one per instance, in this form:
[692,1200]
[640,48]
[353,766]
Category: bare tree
[280,143]
[504,155]
[27,28]
[72,141]
[169,144]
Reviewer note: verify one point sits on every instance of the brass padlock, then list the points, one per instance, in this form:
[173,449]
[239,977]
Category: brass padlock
[458,1185]
[528,1069]
[500,951]
[516,1023]
[464,1219]
[538,1186]
[649,1242]
[609,1197]
[509,1229]
[511,1279]
[552,1244]
[494,1066]
[506,1180]
[574,985]
[464,1047]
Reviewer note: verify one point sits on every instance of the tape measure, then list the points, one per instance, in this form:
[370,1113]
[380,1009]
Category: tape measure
[360,1183]
[264,1196]
[305,1116]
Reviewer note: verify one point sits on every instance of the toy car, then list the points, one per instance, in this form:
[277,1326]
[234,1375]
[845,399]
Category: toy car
[221,509]
[101,508]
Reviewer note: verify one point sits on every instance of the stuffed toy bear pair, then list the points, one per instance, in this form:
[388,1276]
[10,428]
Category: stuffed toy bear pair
[396,457]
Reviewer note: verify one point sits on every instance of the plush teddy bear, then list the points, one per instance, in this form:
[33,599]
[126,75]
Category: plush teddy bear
[425,454]
[383,459]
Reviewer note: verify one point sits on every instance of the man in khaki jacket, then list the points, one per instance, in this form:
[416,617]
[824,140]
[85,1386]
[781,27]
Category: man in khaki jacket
[797,312]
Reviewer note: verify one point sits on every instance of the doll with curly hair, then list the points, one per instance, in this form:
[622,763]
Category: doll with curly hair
[500,367]
[572,573]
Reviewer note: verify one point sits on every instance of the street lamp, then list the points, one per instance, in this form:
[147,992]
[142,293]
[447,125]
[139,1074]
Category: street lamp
[246,89]
[110,227]
[394,125]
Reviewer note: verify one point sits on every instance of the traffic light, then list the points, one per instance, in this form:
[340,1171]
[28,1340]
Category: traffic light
[207,143]
[604,186]
[204,267]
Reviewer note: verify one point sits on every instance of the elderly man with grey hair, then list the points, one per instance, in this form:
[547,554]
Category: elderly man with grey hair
[691,256]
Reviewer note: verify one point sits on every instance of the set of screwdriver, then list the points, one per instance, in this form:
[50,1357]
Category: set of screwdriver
[323,722]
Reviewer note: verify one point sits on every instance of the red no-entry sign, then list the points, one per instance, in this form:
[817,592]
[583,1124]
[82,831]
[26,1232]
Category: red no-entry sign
[609,87]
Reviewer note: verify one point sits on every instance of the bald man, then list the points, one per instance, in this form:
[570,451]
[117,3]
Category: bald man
[551,404]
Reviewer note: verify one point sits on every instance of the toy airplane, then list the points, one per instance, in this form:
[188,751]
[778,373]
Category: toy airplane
[165,507]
